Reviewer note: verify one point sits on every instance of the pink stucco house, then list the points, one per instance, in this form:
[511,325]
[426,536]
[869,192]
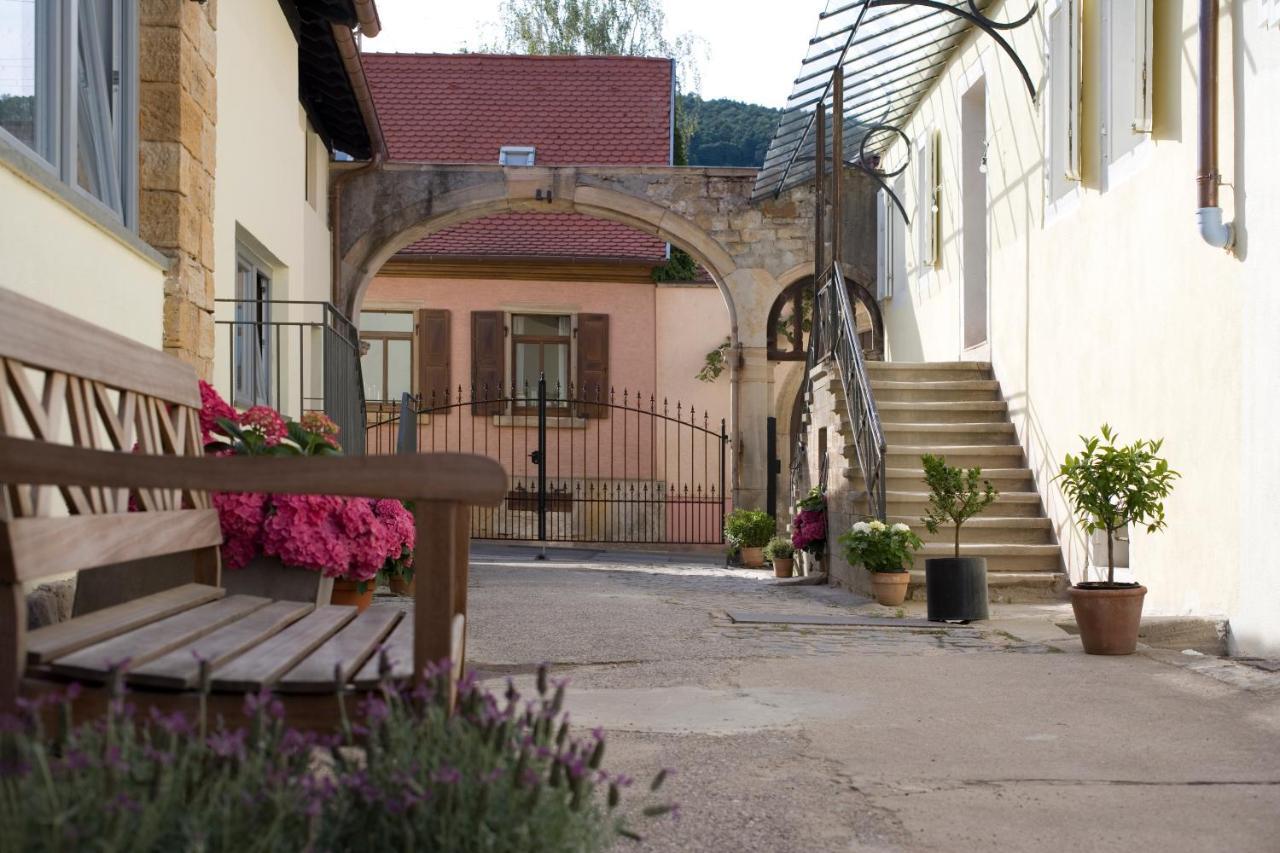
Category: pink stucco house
[484,307]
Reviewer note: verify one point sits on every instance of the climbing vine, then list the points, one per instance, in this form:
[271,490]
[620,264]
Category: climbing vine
[717,360]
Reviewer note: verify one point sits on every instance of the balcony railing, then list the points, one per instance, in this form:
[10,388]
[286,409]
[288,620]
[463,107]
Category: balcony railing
[296,356]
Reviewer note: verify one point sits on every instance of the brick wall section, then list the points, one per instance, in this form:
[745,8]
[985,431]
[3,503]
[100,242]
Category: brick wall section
[177,65]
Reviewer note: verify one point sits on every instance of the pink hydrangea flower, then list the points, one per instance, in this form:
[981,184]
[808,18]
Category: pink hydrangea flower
[322,425]
[267,421]
[213,408]
[241,516]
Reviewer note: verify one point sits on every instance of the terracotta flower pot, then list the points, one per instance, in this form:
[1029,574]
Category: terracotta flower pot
[400,586]
[782,566]
[890,588]
[348,593]
[1108,617]
[753,558]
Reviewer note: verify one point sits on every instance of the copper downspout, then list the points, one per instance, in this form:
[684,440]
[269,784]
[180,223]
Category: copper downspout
[1209,214]
[367,15]
[350,53]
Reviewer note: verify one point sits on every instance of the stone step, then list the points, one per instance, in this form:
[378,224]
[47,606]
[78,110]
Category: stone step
[999,531]
[965,456]
[964,411]
[950,434]
[1001,557]
[1007,505]
[1004,479]
[913,371]
[1007,587]
[935,392]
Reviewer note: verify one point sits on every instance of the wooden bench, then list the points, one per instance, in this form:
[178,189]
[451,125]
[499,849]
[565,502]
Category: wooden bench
[74,401]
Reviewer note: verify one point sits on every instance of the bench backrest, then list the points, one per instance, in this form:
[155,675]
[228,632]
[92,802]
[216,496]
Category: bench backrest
[66,381]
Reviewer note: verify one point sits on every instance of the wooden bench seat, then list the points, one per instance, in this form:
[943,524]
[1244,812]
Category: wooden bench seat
[102,465]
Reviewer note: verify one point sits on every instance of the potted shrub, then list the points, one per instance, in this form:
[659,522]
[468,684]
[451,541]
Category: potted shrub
[781,553]
[809,526]
[955,587]
[320,548]
[750,530]
[1111,487]
[886,552]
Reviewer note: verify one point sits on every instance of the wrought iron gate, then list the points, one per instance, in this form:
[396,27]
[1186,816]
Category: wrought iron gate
[582,468]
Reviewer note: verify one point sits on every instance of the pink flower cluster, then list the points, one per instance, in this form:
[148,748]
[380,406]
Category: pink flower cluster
[322,425]
[809,530]
[348,538]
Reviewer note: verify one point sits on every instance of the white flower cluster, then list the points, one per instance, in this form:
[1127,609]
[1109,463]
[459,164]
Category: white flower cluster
[879,527]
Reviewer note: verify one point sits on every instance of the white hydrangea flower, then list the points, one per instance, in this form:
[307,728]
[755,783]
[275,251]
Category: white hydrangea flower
[877,526]
[861,527]
[901,528]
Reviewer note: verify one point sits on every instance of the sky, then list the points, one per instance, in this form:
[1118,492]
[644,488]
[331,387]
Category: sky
[753,47]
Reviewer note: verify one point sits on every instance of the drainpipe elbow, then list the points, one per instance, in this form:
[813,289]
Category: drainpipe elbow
[1216,233]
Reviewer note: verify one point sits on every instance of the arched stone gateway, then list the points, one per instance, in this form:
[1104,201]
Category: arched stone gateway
[745,246]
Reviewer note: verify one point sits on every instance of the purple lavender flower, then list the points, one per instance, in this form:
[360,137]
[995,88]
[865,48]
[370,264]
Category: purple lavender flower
[225,744]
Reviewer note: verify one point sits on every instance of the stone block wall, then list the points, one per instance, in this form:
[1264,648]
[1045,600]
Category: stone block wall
[177,126]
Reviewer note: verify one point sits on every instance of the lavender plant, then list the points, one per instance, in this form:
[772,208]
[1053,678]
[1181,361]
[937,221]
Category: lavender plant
[497,773]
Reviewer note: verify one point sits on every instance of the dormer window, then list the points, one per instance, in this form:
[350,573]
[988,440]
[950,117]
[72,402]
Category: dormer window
[516,155]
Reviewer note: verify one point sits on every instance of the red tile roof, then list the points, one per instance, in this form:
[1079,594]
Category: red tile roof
[576,110]
[542,235]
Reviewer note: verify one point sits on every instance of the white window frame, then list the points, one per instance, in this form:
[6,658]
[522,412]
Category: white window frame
[1062,107]
[253,355]
[1127,96]
[114,113]
[929,201]
[890,244]
[508,153]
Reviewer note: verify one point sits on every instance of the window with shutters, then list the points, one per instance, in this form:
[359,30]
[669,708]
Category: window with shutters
[1062,122]
[540,345]
[387,365]
[890,243]
[1127,114]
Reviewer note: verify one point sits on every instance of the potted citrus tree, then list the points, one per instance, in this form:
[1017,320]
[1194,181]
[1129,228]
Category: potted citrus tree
[1110,487]
[750,530]
[955,587]
[781,553]
[886,552]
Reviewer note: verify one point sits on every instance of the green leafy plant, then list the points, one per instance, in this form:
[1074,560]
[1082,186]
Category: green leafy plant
[716,361]
[749,528]
[779,549]
[879,546]
[1111,486]
[955,495]
[679,267]
[403,771]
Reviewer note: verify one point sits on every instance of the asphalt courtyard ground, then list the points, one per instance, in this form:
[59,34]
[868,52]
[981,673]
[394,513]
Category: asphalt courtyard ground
[804,737]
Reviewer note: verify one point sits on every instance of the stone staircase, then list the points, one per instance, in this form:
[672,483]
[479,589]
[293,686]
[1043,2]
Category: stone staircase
[955,410]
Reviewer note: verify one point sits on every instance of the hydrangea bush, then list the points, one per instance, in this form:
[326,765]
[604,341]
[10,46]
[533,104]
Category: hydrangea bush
[346,538]
[880,547]
[809,527]
[401,773]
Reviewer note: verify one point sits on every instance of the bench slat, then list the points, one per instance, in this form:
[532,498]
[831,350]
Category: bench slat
[54,641]
[159,638]
[40,547]
[263,665]
[349,649]
[180,668]
[399,649]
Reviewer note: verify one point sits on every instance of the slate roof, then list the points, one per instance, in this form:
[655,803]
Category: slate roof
[574,110]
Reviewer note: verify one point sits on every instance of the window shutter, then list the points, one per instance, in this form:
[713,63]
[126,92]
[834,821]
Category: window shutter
[930,214]
[433,357]
[488,364]
[1145,53]
[593,364]
[1075,86]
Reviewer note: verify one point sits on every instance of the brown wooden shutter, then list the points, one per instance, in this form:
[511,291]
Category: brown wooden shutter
[433,357]
[593,363]
[488,366]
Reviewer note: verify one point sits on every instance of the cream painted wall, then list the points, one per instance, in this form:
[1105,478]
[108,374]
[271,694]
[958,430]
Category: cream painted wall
[260,195]
[1113,309]
[55,254]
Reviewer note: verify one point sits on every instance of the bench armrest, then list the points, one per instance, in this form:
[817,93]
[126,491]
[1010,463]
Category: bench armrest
[445,477]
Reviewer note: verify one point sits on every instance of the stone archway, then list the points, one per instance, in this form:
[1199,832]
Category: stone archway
[706,212]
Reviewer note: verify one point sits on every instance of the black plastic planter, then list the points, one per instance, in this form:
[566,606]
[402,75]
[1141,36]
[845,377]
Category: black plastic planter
[956,589]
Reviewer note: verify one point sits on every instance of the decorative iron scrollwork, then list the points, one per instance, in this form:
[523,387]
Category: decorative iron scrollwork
[877,174]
